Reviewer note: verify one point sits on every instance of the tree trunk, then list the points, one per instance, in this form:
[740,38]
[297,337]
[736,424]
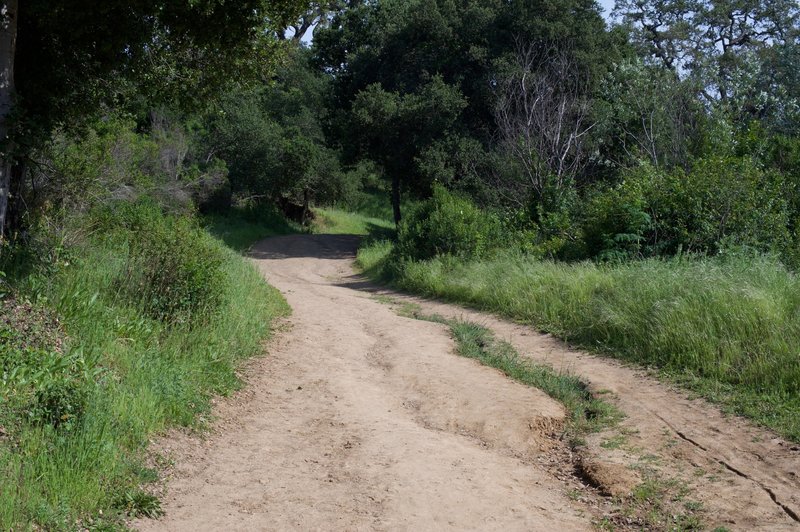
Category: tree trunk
[8,41]
[396,198]
[304,216]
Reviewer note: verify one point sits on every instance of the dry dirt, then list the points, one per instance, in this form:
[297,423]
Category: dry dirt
[360,419]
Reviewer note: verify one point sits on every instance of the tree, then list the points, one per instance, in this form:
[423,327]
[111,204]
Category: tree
[272,137]
[650,114]
[396,129]
[543,120]
[8,40]
[381,56]
[709,39]
[74,58]
[318,15]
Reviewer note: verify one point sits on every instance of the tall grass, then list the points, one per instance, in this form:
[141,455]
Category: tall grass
[152,374]
[727,327]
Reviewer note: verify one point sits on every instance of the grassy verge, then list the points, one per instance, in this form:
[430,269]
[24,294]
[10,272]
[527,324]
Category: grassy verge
[726,328]
[369,213]
[134,374]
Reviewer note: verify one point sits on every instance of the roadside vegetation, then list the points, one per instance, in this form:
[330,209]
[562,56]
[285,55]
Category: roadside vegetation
[635,192]
[723,326]
[149,326]
[241,227]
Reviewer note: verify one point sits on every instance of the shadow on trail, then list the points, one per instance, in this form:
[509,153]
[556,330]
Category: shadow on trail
[330,246]
[306,246]
[361,283]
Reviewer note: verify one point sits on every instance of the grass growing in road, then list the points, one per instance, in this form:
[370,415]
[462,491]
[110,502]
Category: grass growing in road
[656,503]
[725,327]
[586,413]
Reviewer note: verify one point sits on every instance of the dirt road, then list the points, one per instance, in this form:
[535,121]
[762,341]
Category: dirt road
[359,419]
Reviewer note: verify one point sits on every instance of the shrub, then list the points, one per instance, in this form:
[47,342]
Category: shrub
[447,224]
[38,382]
[723,202]
[43,387]
[615,222]
[173,270]
[59,401]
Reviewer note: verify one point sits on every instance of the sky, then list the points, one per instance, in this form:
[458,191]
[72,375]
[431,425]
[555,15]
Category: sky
[607,6]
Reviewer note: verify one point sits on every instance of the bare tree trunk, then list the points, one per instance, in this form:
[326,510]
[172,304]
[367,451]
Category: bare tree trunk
[304,216]
[396,198]
[543,119]
[8,40]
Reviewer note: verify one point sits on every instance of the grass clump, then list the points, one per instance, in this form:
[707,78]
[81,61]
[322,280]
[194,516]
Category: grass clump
[586,413]
[726,326]
[122,372]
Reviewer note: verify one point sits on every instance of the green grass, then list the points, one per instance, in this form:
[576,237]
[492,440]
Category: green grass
[148,376]
[370,213]
[585,413]
[372,203]
[727,328]
[240,228]
[336,221]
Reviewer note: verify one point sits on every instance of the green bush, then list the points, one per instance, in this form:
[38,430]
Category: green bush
[43,387]
[616,222]
[724,202]
[59,402]
[447,224]
[172,271]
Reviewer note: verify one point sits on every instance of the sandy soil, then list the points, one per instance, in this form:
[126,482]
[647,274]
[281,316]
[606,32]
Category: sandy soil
[359,419]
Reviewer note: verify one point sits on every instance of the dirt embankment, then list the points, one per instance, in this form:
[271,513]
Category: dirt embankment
[359,419]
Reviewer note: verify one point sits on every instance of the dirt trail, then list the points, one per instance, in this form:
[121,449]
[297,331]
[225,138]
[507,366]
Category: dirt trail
[360,419]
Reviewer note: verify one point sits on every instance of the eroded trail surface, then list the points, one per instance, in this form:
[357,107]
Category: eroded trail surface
[360,419]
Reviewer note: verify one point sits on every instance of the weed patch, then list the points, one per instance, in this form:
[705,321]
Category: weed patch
[80,397]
